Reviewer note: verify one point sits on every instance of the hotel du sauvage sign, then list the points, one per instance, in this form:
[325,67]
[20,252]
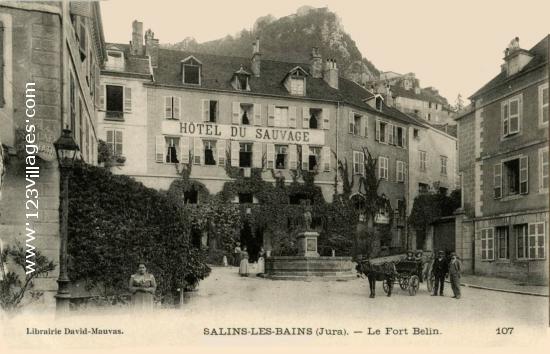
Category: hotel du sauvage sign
[276,135]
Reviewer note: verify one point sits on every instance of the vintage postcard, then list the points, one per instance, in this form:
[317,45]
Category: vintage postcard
[258,176]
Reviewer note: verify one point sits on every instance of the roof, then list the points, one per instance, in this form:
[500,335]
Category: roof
[133,64]
[540,57]
[218,71]
[424,95]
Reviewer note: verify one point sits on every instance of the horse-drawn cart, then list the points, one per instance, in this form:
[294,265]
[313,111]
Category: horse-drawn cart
[409,275]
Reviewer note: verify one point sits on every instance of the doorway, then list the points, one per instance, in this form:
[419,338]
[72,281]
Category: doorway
[253,240]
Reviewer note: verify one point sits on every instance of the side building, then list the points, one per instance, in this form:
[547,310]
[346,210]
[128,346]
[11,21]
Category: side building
[50,58]
[503,155]
[210,112]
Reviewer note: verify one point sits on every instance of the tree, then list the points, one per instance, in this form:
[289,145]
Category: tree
[459,103]
[12,288]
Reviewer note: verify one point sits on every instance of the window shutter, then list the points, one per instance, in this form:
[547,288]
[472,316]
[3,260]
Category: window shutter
[257,155]
[361,163]
[176,107]
[271,115]
[305,157]
[235,117]
[159,148]
[325,115]
[504,108]
[292,117]
[184,149]
[235,151]
[377,136]
[2,98]
[351,123]
[292,157]
[197,151]
[220,146]
[257,114]
[326,158]
[127,99]
[490,245]
[270,155]
[380,175]
[389,132]
[523,175]
[498,180]
[205,109]
[397,166]
[102,97]
[305,117]
[365,126]
[403,138]
[168,107]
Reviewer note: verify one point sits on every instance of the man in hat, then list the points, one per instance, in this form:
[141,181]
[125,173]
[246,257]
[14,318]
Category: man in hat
[440,269]
[455,267]
[410,256]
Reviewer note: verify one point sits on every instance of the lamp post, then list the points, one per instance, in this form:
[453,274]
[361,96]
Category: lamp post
[66,150]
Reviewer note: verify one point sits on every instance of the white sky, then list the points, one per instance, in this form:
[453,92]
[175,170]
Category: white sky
[453,46]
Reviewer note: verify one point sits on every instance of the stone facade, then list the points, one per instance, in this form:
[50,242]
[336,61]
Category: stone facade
[504,166]
[51,45]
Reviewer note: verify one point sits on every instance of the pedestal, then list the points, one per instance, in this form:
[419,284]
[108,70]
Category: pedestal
[307,244]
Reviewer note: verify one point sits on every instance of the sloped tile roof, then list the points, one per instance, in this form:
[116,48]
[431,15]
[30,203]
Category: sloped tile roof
[540,57]
[424,95]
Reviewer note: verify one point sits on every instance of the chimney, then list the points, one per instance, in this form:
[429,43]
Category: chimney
[515,58]
[330,73]
[152,47]
[136,45]
[256,58]
[316,64]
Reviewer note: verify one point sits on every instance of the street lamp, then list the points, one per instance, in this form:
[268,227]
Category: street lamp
[66,150]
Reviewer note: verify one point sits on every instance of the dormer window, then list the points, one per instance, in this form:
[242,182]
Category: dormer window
[297,86]
[115,60]
[241,80]
[379,101]
[191,69]
[295,81]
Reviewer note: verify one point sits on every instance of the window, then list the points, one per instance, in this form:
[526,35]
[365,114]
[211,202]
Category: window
[246,114]
[114,141]
[429,105]
[191,197]
[245,198]
[423,188]
[381,132]
[543,170]
[400,171]
[242,83]
[356,124]
[415,133]
[378,103]
[511,115]
[511,177]
[213,111]
[543,104]
[429,116]
[487,245]
[314,115]
[443,165]
[245,155]
[358,163]
[281,153]
[115,101]
[171,107]
[536,241]
[297,86]
[399,136]
[383,167]
[521,241]
[423,156]
[502,241]
[314,157]
[191,71]
[281,116]
[115,60]
[172,150]
[209,152]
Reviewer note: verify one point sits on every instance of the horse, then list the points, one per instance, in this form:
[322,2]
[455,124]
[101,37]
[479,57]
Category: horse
[381,272]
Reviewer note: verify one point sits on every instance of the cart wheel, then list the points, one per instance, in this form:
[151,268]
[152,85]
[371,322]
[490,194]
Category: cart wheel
[430,283]
[403,283]
[385,286]
[414,283]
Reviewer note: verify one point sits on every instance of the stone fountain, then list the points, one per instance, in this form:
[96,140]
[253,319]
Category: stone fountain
[308,264]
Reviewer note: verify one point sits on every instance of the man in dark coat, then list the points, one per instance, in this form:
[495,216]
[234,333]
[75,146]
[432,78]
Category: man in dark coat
[440,269]
[455,268]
